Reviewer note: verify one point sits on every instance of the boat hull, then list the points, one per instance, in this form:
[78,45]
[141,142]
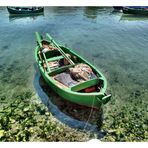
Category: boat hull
[24,12]
[135,11]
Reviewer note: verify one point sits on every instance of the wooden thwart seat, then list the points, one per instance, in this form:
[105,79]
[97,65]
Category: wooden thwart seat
[59,70]
[55,58]
[85,84]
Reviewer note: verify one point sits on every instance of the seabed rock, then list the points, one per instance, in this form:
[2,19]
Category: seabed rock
[2,133]
[27,119]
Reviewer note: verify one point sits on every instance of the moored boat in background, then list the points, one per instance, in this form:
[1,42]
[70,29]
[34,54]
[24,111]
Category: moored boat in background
[137,10]
[25,10]
[118,7]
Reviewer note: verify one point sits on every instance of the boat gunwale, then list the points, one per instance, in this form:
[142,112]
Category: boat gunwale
[141,10]
[68,89]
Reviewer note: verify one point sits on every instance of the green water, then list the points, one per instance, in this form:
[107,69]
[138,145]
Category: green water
[115,43]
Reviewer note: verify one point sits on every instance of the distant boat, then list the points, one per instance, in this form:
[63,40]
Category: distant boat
[138,10]
[118,7]
[90,92]
[25,10]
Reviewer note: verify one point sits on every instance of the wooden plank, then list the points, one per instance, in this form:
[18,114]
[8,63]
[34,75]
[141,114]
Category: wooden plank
[85,84]
[59,48]
[48,68]
[55,58]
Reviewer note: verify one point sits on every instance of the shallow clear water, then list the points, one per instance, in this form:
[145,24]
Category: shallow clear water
[115,43]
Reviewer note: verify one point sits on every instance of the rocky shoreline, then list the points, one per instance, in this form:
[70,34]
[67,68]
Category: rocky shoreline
[27,119]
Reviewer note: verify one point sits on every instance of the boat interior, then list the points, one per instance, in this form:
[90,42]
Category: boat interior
[57,65]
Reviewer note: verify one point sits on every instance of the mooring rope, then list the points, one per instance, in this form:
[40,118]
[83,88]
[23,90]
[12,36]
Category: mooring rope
[89,114]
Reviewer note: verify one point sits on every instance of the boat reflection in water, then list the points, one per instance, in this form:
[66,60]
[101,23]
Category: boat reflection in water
[24,17]
[63,9]
[131,17]
[92,12]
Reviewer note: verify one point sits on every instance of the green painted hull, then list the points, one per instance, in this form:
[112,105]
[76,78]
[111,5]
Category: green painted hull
[135,11]
[94,99]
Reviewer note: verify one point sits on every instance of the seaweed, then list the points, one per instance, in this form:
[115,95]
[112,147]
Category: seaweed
[27,119]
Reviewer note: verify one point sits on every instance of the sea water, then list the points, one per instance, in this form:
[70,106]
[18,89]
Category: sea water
[116,44]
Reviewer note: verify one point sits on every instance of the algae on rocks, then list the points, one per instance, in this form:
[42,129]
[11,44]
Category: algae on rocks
[27,119]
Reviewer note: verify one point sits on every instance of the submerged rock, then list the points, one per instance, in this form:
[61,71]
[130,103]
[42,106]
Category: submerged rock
[27,119]
[1,133]
[2,98]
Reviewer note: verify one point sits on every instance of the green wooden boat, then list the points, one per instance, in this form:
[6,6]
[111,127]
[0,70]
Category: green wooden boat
[25,10]
[75,93]
[136,11]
